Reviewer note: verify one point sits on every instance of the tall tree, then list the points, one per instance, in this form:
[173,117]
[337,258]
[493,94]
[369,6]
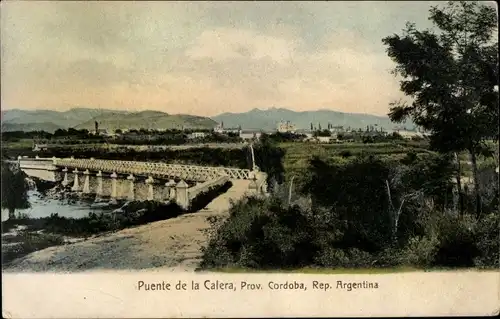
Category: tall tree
[451,74]
[14,190]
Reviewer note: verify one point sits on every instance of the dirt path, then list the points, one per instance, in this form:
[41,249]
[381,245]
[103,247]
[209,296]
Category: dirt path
[172,244]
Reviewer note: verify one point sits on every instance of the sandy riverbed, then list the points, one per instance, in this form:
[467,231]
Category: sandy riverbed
[168,244]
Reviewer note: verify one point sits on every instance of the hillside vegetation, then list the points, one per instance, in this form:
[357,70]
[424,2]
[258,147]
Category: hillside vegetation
[148,120]
[47,120]
[84,118]
[29,127]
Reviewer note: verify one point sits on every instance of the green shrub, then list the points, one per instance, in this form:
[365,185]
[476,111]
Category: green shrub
[487,236]
[29,242]
[262,233]
[420,252]
[457,246]
[348,258]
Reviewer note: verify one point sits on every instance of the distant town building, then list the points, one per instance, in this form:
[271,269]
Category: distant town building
[99,131]
[197,135]
[221,130]
[286,127]
[40,147]
[337,129]
[250,135]
[409,134]
[324,139]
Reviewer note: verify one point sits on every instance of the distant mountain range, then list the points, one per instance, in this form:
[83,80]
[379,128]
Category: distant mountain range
[148,120]
[85,118]
[256,119]
[268,119]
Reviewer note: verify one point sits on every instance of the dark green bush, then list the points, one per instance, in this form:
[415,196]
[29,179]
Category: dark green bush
[29,242]
[350,222]
[262,233]
[456,243]
[487,237]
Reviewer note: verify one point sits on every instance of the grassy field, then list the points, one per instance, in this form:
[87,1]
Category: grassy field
[298,154]
[20,144]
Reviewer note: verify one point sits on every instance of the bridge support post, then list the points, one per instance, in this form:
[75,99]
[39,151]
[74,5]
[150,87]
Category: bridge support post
[262,177]
[65,181]
[76,185]
[99,192]
[170,189]
[150,182]
[258,182]
[86,183]
[113,185]
[253,187]
[131,194]
[181,195]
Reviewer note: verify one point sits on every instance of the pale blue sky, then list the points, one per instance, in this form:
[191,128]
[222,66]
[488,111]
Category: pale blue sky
[202,57]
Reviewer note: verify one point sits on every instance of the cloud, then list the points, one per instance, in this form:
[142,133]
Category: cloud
[201,57]
[222,44]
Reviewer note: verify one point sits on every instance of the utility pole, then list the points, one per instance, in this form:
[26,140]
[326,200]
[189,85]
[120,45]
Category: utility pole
[290,191]
[253,156]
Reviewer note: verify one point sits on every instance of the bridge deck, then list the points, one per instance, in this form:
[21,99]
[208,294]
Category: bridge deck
[154,169]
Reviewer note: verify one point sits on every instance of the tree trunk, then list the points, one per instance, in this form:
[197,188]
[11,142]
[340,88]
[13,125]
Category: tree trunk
[477,194]
[459,186]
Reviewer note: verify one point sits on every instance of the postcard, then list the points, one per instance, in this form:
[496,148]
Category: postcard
[249,159]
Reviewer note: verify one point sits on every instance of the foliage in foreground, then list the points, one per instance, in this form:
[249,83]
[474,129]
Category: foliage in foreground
[346,219]
[262,234]
[14,189]
[451,74]
[28,242]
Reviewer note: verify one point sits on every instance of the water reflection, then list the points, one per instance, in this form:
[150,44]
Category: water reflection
[44,207]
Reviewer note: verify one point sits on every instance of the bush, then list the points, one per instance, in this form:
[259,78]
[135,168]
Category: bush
[487,237]
[457,246]
[345,153]
[261,233]
[349,221]
[348,258]
[132,214]
[28,243]
[420,252]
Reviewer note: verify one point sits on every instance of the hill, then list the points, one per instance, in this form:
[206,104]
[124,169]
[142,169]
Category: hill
[268,119]
[28,127]
[148,120]
[84,118]
[31,119]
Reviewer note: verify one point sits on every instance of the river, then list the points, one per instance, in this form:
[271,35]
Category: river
[44,206]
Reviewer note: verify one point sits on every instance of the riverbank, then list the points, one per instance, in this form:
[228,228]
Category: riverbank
[173,243]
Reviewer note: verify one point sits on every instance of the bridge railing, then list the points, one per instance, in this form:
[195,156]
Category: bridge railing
[194,172]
